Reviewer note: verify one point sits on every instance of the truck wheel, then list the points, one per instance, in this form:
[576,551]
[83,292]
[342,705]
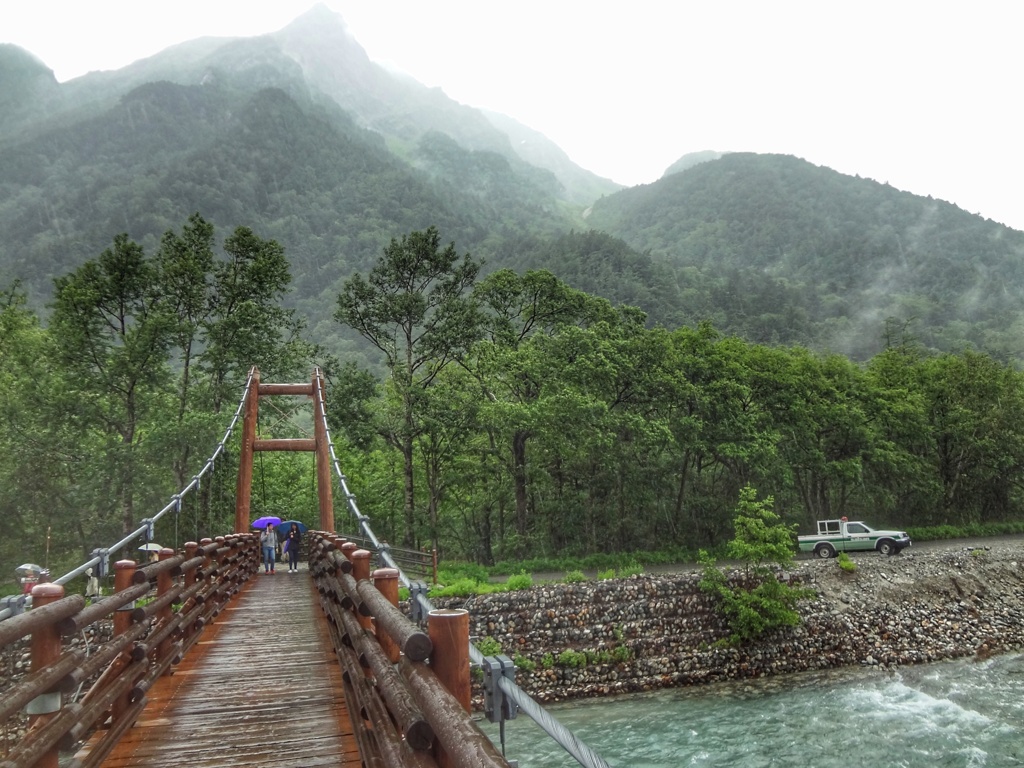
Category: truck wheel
[886,547]
[825,551]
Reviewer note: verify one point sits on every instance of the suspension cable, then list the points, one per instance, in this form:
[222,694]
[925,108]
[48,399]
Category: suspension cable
[571,743]
[100,555]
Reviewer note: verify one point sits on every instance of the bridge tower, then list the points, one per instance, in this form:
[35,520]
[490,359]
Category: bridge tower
[317,445]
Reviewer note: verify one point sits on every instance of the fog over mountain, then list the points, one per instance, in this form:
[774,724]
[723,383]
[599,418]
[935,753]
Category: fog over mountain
[299,135]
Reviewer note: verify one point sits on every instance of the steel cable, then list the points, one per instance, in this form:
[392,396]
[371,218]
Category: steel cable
[569,741]
[143,530]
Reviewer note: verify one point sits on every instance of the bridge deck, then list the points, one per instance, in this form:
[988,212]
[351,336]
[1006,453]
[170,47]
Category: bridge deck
[261,688]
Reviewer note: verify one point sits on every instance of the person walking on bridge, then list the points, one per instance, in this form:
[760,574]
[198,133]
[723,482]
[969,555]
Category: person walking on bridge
[268,541]
[291,541]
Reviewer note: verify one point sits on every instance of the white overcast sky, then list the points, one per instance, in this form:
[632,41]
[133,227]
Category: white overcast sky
[923,95]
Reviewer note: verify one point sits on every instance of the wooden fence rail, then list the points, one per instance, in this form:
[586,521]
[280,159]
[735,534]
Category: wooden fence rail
[406,712]
[419,564]
[185,593]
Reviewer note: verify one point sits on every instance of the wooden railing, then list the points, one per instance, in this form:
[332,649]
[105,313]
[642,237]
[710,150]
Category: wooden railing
[159,612]
[418,564]
[405,711]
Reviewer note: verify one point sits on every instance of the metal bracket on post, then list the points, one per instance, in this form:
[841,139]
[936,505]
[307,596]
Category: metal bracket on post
[103,566]
[416,589]
[497,706]
[150,531]
[13,603]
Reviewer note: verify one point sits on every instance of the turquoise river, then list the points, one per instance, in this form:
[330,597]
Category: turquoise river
[959,714]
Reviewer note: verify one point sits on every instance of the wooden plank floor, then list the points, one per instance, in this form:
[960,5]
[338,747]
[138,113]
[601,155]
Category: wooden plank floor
[261,688]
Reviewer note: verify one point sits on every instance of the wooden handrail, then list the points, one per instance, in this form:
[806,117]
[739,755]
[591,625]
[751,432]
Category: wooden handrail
[407,718]
[406,715]
[150,641]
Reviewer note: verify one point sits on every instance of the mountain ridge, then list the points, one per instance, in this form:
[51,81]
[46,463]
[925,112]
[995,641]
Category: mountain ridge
[301,136]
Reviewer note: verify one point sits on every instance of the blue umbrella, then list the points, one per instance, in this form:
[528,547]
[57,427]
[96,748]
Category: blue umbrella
[283,528]
[263,522]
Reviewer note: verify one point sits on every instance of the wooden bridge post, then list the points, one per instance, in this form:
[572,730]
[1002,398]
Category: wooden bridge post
[190,552]
[45,651]
[386,582]
[361,570]
[347,548]
[448,629]
[243,491]
[323,457]
[124,577]
[164,583]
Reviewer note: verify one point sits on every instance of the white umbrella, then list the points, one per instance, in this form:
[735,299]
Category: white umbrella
[151,547]
[29,568]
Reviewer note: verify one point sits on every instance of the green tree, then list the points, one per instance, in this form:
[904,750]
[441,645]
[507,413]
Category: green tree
[227,317]
[511,370]
[112,334]
[413,308]
[762,601]
[184,264]
[761,537]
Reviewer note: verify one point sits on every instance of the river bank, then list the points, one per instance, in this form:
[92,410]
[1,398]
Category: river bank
[656,631]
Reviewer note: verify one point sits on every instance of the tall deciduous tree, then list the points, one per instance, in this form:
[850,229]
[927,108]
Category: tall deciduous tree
[519,307]
[226,317]
[112,335]
[413,307]
[185,262]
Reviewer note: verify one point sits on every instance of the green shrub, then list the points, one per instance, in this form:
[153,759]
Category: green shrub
[573,659]
[524,663]
[632,568]
[518,581]
[605,575]
[452,572]
[846,563]
[488,646]
[971,530]
[574,577]
[547,661]
[622,653]
[463,588]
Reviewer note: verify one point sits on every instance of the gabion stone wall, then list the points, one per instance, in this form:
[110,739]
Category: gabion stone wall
[597,638]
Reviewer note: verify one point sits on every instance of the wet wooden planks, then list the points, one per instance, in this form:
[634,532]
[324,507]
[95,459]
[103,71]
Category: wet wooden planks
[262,688]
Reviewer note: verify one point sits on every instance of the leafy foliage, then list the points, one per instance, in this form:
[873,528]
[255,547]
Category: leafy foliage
[778,250]
[762,601]
[760,535]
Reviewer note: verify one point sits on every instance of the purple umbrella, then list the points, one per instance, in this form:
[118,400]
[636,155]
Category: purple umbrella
[263,522]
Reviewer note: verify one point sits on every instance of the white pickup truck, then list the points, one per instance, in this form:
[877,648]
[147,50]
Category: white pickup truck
[835,536]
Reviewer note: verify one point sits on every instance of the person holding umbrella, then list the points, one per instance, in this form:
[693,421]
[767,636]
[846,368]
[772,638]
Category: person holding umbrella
[268,541]
[292,539]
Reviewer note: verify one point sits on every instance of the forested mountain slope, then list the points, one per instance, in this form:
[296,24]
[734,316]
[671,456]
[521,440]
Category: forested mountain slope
[783,250]
[300,136]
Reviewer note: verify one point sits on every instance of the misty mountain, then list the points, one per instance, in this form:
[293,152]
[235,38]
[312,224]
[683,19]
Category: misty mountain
[247,133]
[28,88]
[782,239]
[300,136]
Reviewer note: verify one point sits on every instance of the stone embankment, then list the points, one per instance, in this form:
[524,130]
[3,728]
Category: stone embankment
[656,631]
